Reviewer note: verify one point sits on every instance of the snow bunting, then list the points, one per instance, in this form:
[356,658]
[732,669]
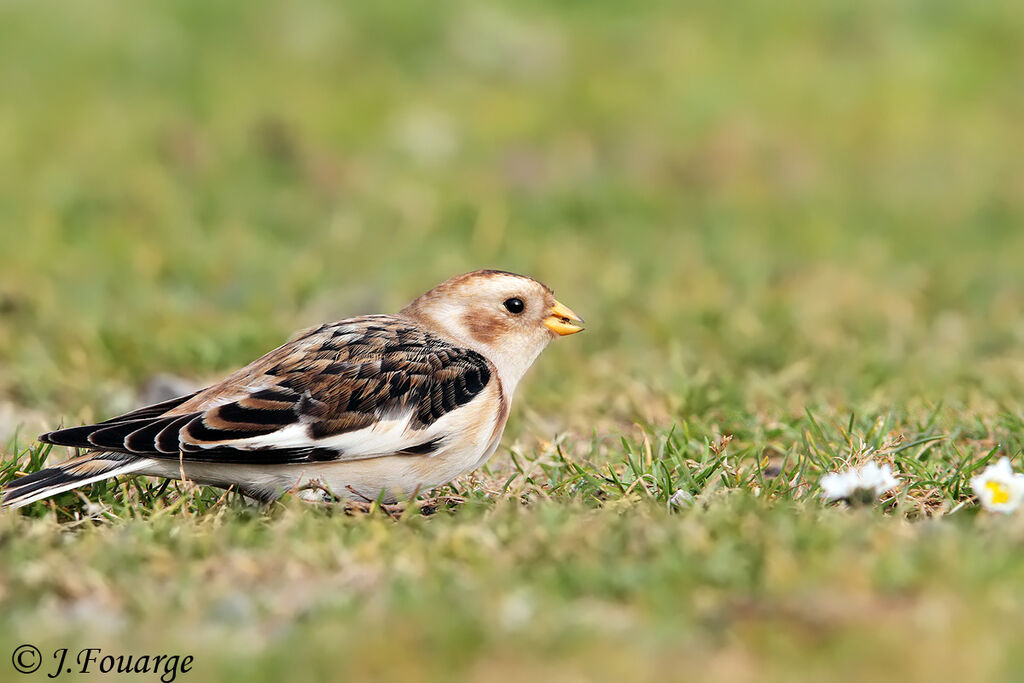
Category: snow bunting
[379,406]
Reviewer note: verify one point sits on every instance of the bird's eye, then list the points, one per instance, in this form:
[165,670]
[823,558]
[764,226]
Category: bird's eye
[515,305]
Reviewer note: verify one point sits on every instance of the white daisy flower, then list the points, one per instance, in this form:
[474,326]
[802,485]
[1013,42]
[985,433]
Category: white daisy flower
[864,484]
[999,488]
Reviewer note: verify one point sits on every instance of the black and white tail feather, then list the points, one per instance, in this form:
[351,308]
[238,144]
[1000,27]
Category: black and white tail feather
[68,475]
[84,469]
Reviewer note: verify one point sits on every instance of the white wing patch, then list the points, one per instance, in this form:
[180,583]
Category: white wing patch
[385,437]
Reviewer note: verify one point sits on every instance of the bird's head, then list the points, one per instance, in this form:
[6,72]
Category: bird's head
[508,318]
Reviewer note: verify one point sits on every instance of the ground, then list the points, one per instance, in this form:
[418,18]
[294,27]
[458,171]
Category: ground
[794,231]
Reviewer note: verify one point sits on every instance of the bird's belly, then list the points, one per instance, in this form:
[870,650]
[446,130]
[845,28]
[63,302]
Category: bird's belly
[389,478]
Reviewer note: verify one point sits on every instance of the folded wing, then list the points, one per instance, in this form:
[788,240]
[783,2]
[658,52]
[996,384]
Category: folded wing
[359,388]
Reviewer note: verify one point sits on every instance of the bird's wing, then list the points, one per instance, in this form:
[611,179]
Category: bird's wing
[358,388]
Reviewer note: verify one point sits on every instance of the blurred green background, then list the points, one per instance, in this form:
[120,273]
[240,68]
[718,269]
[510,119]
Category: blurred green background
[818,198]
[759,208]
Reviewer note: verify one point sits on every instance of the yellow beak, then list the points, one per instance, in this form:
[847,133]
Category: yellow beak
[563,321]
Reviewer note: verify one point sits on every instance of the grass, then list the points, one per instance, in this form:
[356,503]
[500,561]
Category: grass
[794,232]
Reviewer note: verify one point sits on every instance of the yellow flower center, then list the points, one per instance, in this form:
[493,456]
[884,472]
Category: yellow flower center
[1000,493]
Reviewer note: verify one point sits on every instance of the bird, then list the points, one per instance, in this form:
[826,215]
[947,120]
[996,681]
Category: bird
[370,408]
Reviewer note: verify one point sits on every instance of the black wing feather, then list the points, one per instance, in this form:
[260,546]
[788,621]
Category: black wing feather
[335,379]
[155,410]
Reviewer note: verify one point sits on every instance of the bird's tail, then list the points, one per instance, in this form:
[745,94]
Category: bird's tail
[85,469]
